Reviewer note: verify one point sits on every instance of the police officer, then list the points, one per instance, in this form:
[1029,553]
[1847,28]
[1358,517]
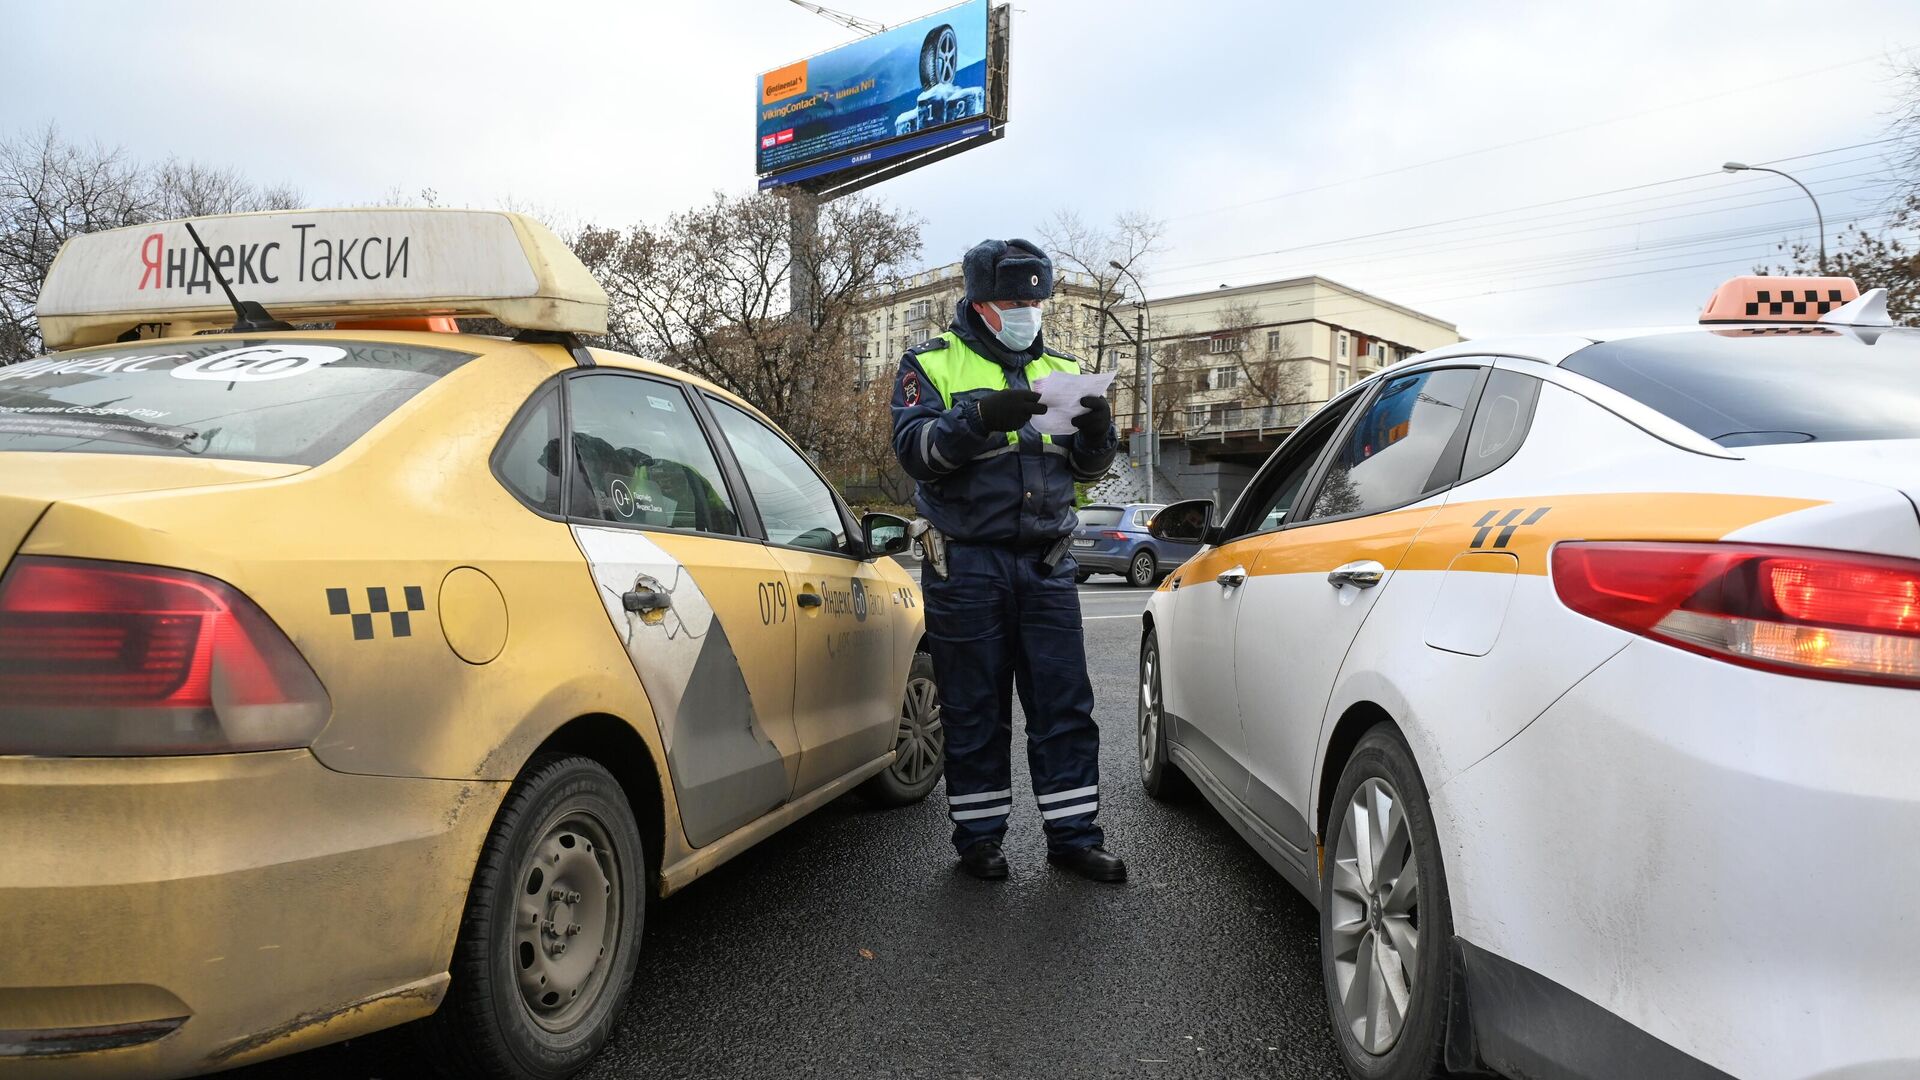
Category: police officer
[1006,611]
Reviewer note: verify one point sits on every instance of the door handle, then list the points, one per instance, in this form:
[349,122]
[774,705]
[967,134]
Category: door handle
[1361,575]
[807,599]
[1233,579]
[645,600]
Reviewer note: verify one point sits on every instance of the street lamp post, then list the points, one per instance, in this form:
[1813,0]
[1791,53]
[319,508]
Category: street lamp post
[1146,378]
[1819,221]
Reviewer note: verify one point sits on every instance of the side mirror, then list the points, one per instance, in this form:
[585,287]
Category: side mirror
[1189,522]
[883,534]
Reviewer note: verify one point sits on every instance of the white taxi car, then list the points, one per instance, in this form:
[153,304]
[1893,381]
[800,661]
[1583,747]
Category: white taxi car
[1576,680]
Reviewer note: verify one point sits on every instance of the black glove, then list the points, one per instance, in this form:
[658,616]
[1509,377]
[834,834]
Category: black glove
[1009,410]
[1097,419]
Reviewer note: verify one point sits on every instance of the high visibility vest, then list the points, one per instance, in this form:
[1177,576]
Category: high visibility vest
[957,369]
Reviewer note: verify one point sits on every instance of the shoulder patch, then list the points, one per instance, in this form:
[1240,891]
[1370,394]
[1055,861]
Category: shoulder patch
[910,388]
[929,345]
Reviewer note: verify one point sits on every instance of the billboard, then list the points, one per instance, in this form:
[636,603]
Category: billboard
[910,87]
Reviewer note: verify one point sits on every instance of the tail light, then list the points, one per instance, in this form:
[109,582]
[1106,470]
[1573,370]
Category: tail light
[103,658]
[1793,610]
[1114,534]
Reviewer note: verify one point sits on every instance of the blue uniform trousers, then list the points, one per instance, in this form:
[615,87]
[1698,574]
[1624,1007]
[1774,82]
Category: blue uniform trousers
[1002,620]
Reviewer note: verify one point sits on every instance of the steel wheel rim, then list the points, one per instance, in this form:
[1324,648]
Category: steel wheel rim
[1149,708]
[567,919]
[1142,567]
[946,52]
[1375,915]
[921,738]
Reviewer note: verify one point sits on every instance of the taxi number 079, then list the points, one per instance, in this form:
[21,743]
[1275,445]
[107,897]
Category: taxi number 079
[773,602]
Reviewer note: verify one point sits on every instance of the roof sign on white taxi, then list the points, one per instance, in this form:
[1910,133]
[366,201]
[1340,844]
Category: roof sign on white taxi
[311,265]
[1758,298]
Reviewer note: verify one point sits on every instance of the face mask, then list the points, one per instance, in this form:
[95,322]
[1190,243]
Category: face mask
[1018,327]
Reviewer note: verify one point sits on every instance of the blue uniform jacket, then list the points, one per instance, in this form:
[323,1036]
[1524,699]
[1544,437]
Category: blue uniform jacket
[973,485]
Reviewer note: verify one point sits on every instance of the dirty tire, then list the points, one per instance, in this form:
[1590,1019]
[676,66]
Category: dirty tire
[1143,571]
[1383,765]
[486,1025]
[913,772]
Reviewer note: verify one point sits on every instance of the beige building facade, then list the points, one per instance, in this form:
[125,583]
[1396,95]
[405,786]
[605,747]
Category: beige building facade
[907,311]
[1265,355]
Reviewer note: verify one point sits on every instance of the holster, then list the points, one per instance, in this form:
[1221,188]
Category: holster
[933,544]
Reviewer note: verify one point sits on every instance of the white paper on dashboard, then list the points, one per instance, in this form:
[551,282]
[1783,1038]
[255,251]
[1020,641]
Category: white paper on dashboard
[1061,394]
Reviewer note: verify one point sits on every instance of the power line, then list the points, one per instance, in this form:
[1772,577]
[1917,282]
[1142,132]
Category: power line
[1513,210]
[1533,138]
[1517,236]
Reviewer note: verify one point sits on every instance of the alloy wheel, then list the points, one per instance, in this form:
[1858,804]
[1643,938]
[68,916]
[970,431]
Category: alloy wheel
[1149,707]
[946,52]
[1375,917]
[1142,569]
[921,740]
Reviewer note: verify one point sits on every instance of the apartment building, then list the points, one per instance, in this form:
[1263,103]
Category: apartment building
[902,313]
[1266,355]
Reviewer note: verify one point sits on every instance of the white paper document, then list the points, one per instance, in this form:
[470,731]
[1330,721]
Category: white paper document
[1061,394]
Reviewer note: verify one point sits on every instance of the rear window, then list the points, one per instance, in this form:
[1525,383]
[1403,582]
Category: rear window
[292,401]
[1748,387]
[1095,516]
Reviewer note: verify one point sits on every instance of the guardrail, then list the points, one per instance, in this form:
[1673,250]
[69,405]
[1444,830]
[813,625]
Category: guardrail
[1229,419]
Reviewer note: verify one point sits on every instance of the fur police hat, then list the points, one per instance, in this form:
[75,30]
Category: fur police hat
[1007,270]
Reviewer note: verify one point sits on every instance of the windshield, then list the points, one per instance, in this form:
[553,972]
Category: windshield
[293,401]
[1094,516]
[1748,387]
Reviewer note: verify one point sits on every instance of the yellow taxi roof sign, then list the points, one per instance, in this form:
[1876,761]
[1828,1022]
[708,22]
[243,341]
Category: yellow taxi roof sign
[317,265]
[1763,298]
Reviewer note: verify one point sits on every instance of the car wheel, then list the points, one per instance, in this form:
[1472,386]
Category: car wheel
[1158,774]
[551,933]
[939,56]
[920,747]
[1385,924]
[1142,570]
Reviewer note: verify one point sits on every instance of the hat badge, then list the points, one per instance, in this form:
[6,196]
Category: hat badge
[1034,280]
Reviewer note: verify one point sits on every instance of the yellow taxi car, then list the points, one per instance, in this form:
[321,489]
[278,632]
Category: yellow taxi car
[359,675]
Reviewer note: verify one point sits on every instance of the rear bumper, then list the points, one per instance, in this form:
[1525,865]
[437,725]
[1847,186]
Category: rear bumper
[1714,855]
[168,916]
[1109,558]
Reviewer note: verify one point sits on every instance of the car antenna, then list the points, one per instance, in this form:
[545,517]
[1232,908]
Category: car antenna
[248,315]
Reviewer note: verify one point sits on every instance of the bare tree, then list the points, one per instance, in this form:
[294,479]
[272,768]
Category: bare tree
[1269,374]
[707,292]
[52,190]
[1131,240]
[1888,258]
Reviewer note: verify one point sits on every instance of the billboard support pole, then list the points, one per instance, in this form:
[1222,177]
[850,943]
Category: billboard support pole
[803,239]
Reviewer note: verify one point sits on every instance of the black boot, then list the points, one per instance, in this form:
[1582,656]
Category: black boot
[1093,863]
[984,861]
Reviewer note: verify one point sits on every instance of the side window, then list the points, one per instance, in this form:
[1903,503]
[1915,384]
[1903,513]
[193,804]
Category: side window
[640,457]
[796,506]
[528,460]
[1394,453]
[1281,489]
[1500,422]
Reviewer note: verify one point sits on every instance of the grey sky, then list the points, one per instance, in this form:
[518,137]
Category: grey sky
[1211,115]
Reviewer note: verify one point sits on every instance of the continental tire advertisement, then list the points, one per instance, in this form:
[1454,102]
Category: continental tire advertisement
[914,78]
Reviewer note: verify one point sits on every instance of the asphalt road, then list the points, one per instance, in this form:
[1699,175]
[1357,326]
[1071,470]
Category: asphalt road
[849,946]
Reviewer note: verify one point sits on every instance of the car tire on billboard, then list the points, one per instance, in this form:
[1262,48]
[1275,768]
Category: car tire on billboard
[939,56]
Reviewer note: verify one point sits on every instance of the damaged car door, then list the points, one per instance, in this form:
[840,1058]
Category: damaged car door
[684,588]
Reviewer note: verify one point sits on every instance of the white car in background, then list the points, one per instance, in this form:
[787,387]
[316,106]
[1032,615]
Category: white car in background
[1576,680]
